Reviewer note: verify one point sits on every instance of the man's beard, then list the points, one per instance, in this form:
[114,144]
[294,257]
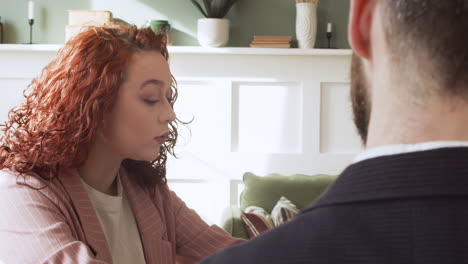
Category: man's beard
[360,98]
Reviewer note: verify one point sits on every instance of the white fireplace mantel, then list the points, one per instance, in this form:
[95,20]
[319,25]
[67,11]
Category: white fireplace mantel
[261,110]
[196,50]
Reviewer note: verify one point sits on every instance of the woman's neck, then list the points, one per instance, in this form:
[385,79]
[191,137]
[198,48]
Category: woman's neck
[100,170]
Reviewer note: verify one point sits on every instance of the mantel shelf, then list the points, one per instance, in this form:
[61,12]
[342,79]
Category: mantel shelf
[197,50]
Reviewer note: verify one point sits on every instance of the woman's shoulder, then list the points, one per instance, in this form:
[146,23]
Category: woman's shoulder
[30,184]
[163,196]
[10,179]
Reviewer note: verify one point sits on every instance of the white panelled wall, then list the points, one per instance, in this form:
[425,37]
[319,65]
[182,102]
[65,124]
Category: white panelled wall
[260,110]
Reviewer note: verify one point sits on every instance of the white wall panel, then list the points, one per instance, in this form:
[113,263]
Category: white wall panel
[259,110]
[207,104]
[11,94]
[269,118]
[337,130]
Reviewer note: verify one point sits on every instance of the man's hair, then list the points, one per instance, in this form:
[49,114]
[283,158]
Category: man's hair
[431,35]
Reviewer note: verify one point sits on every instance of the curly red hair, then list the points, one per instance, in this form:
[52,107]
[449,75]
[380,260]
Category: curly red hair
[66,104]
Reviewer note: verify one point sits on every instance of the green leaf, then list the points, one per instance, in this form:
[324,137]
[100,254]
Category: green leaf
[208,7]
[228,7]
[199,7]
[217,7]
[220,8]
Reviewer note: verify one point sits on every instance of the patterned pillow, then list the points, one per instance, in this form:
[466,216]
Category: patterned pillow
[283,211]
[256,221]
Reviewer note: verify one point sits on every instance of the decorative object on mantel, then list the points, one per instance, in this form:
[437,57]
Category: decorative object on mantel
[1,31]
[30,19]
[329,33]
[161,27]
[213,30]
[271,42]
[306,23]
[80,20]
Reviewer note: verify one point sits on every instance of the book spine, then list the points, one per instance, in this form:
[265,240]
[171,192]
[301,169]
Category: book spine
[271,41]
[307,1]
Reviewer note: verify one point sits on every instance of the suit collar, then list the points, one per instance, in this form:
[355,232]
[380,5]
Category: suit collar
[388,150]
[149,219]
[89,221]
[438,172]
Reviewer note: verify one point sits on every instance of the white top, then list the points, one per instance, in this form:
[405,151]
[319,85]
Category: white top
[408,148]
[118,223]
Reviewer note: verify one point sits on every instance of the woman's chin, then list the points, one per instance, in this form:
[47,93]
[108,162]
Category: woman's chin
[149,156]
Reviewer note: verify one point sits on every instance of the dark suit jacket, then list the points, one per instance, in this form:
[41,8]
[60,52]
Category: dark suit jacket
[406,208]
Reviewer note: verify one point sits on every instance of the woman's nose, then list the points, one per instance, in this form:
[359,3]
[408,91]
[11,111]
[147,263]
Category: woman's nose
[169,115]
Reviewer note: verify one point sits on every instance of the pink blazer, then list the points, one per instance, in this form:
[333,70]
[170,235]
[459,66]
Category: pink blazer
[58,224]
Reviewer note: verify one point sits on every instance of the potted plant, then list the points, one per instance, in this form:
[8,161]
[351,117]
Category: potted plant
[213,30]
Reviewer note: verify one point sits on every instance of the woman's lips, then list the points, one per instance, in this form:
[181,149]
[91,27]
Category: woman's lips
[161,140]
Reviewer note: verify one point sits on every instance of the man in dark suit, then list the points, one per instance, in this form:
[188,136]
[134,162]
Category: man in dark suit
[404,199]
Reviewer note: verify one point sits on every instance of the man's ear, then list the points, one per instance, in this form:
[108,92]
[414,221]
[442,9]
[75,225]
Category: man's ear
[360,26]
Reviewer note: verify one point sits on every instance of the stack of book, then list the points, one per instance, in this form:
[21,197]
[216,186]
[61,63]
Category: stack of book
[271,42]
[81,20]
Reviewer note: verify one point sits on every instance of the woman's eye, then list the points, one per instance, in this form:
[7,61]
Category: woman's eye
[151,102]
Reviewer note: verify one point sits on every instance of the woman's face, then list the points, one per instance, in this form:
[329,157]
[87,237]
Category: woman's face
[139,122]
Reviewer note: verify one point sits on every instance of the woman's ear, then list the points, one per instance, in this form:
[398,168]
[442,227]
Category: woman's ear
[360,26]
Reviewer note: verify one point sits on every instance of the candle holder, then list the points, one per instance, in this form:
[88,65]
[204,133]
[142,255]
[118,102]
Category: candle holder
[31,23]
[329,36]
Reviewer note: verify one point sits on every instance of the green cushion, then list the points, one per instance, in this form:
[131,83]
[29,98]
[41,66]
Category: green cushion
[265,191]
[232,222]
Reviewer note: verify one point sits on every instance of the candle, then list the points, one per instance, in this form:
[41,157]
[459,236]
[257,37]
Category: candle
[31,10]
[329,27]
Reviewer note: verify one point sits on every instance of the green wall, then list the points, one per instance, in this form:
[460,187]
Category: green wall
[248,18]
[50,20]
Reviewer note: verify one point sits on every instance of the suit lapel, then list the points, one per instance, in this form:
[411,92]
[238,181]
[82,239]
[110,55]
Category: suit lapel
[150,222]
[95,237]
[438,172]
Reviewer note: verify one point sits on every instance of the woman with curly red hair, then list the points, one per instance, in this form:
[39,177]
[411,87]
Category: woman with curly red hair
[83,159]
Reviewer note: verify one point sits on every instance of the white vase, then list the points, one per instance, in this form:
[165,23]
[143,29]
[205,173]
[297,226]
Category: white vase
[306,25]
[213,32]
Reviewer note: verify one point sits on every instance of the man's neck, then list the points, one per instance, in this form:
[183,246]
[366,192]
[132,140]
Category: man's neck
[439,119]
